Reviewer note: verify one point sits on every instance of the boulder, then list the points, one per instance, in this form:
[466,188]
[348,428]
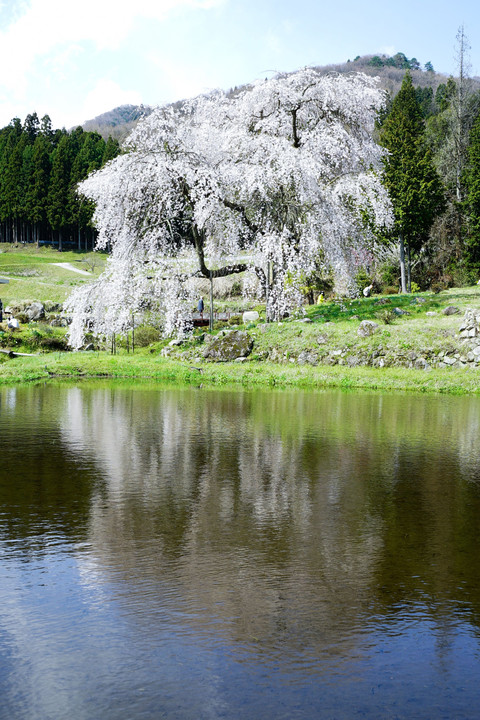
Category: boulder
[35,311]
[229,347]
[451,310]
[53,307]
[366,328]
[250,316]
[307,357]
[354,360]
[60,321]
[275,355]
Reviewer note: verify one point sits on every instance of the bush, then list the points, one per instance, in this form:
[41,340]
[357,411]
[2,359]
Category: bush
[464,276]
[236,288]
[362,279]
[390,290]
[54,343]
[388,276]
[437,286]
[146,335]
[386,316]
[235,320]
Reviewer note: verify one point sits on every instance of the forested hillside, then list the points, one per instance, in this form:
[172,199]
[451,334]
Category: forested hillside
[118,122]
[39,170]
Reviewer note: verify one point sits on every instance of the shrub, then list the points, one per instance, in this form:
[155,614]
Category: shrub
[58,343]
[388,276]
[386,316]
[236,288]
[145,335]
[437,286]
[362,279]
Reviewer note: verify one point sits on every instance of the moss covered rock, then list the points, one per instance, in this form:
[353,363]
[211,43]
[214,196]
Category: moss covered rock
[229,347]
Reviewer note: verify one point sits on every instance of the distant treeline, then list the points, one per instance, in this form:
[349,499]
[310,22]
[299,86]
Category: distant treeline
[399,60]
[39,171]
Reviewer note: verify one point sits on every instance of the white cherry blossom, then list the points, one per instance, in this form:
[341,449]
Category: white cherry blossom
[280,174]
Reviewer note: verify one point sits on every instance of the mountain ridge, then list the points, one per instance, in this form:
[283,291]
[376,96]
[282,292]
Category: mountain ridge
[120,120]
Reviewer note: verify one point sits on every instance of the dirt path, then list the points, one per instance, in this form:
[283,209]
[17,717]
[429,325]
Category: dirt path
[69,266]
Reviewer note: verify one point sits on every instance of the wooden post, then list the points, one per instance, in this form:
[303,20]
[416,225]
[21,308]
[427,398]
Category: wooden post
[270,279]
[211,302]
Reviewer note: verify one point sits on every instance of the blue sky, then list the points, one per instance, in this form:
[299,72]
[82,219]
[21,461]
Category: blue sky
[77,60]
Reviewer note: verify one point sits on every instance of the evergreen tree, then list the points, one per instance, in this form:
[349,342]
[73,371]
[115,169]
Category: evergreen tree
[472,199]
[38,193]
[14,186]
[40,169]
[58,195]
[31,127]
[112,149]
[88,158]
[410,176]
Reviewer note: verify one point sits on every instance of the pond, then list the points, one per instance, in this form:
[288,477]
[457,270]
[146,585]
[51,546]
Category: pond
[202,554]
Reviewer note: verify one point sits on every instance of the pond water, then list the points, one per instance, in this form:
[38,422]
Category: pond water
[203,554]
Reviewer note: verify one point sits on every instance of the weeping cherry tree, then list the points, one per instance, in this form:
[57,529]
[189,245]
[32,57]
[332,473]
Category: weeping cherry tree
[272,178]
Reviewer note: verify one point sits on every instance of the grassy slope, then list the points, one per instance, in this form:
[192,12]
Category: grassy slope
[332,335]
[32,274]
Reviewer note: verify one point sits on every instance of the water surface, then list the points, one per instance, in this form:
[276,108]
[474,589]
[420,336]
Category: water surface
[213,554]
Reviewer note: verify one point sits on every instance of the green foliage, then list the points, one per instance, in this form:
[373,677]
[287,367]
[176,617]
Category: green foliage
[39,171]
[399,60]
[146,335]
[410,176]
[388,276]
[362,279]
[388,317]
[425,101]
[472,198]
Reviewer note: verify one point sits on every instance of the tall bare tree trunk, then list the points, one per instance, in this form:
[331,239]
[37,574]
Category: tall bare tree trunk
[402,263]
[409,271]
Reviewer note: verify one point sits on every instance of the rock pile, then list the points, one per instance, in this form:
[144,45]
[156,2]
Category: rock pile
[469,326]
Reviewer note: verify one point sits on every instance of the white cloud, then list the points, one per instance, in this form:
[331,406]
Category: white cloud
[48,26]
[180,80]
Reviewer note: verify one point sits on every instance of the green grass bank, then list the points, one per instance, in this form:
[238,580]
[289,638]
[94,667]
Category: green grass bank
[417,344]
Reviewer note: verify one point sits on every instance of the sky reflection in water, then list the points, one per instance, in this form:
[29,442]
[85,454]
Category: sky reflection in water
[186,554]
